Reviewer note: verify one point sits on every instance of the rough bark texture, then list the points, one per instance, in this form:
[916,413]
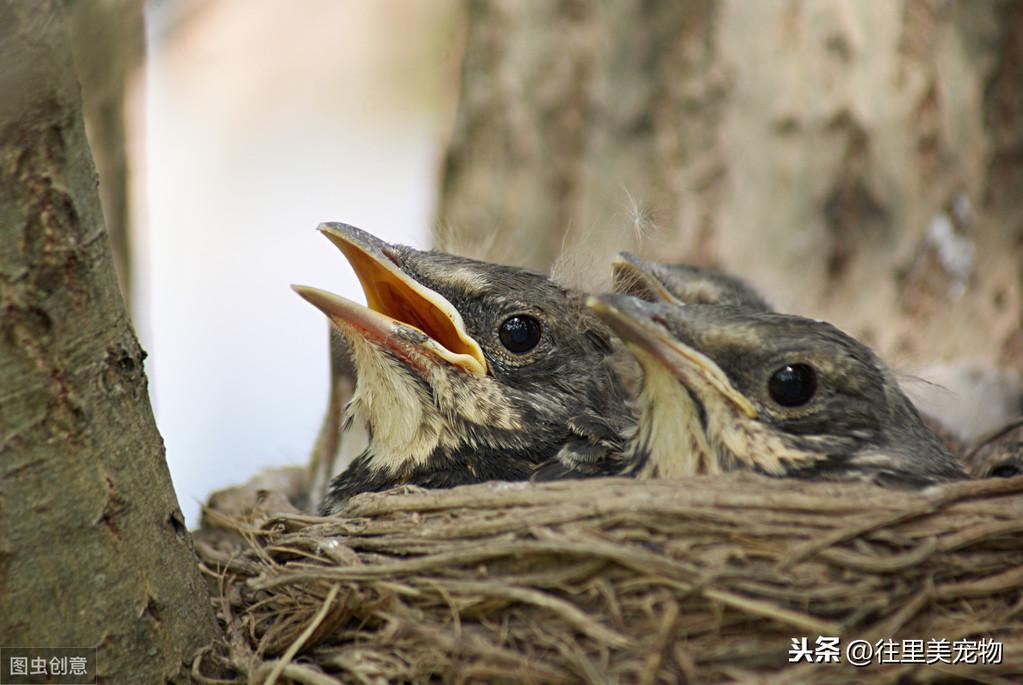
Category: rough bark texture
[108,45]
[94,552]
[859,162]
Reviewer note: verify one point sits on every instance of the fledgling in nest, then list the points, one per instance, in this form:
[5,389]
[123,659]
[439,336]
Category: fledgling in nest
[998,454]
[677,284]
[468,371]
[728,388]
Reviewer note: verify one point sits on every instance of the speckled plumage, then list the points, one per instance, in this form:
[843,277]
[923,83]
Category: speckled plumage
[674,411]
[433,424]
[858,425]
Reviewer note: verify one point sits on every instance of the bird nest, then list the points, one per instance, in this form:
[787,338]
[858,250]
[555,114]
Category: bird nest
[703,580]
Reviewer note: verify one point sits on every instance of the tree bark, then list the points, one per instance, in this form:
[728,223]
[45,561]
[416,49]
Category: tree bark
[859,162]
[94,552]
[108,45]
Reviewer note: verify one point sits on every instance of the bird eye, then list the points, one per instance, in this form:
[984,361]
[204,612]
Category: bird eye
[519,333]
[1005,471]
[792,385]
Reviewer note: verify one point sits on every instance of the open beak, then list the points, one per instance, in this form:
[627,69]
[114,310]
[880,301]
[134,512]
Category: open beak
[635,276]
[394,300]
[636,326]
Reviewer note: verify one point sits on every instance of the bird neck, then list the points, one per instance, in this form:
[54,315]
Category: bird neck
[671,441]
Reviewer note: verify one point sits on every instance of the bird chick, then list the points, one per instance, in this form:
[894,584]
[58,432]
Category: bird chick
[998,454]
[466,371]
[678,284]
[682,284]
[781,395]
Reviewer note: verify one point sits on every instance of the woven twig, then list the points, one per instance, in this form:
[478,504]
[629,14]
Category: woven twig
[703,580]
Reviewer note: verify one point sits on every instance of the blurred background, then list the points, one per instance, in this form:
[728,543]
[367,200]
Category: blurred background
[247,124]
[857,162]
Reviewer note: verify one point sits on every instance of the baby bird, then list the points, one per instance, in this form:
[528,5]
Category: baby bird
[468,371]
[728,388]
[678,284]
[999,454]
[682,284]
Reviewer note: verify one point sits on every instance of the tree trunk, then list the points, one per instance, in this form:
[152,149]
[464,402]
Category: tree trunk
[94,552]
[859,162]
[108,45]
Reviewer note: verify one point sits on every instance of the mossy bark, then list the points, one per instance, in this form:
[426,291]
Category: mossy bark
[94,552]
[859,162]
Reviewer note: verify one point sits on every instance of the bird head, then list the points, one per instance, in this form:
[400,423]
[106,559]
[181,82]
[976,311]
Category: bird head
[780,394]
[466,371]
[997,454]
[682,284]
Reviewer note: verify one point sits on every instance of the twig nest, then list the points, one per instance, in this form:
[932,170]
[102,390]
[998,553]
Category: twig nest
[702,580]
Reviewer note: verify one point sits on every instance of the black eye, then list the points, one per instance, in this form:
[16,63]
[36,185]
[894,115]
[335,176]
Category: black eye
[792,385]
[519,333]
[1005,471]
